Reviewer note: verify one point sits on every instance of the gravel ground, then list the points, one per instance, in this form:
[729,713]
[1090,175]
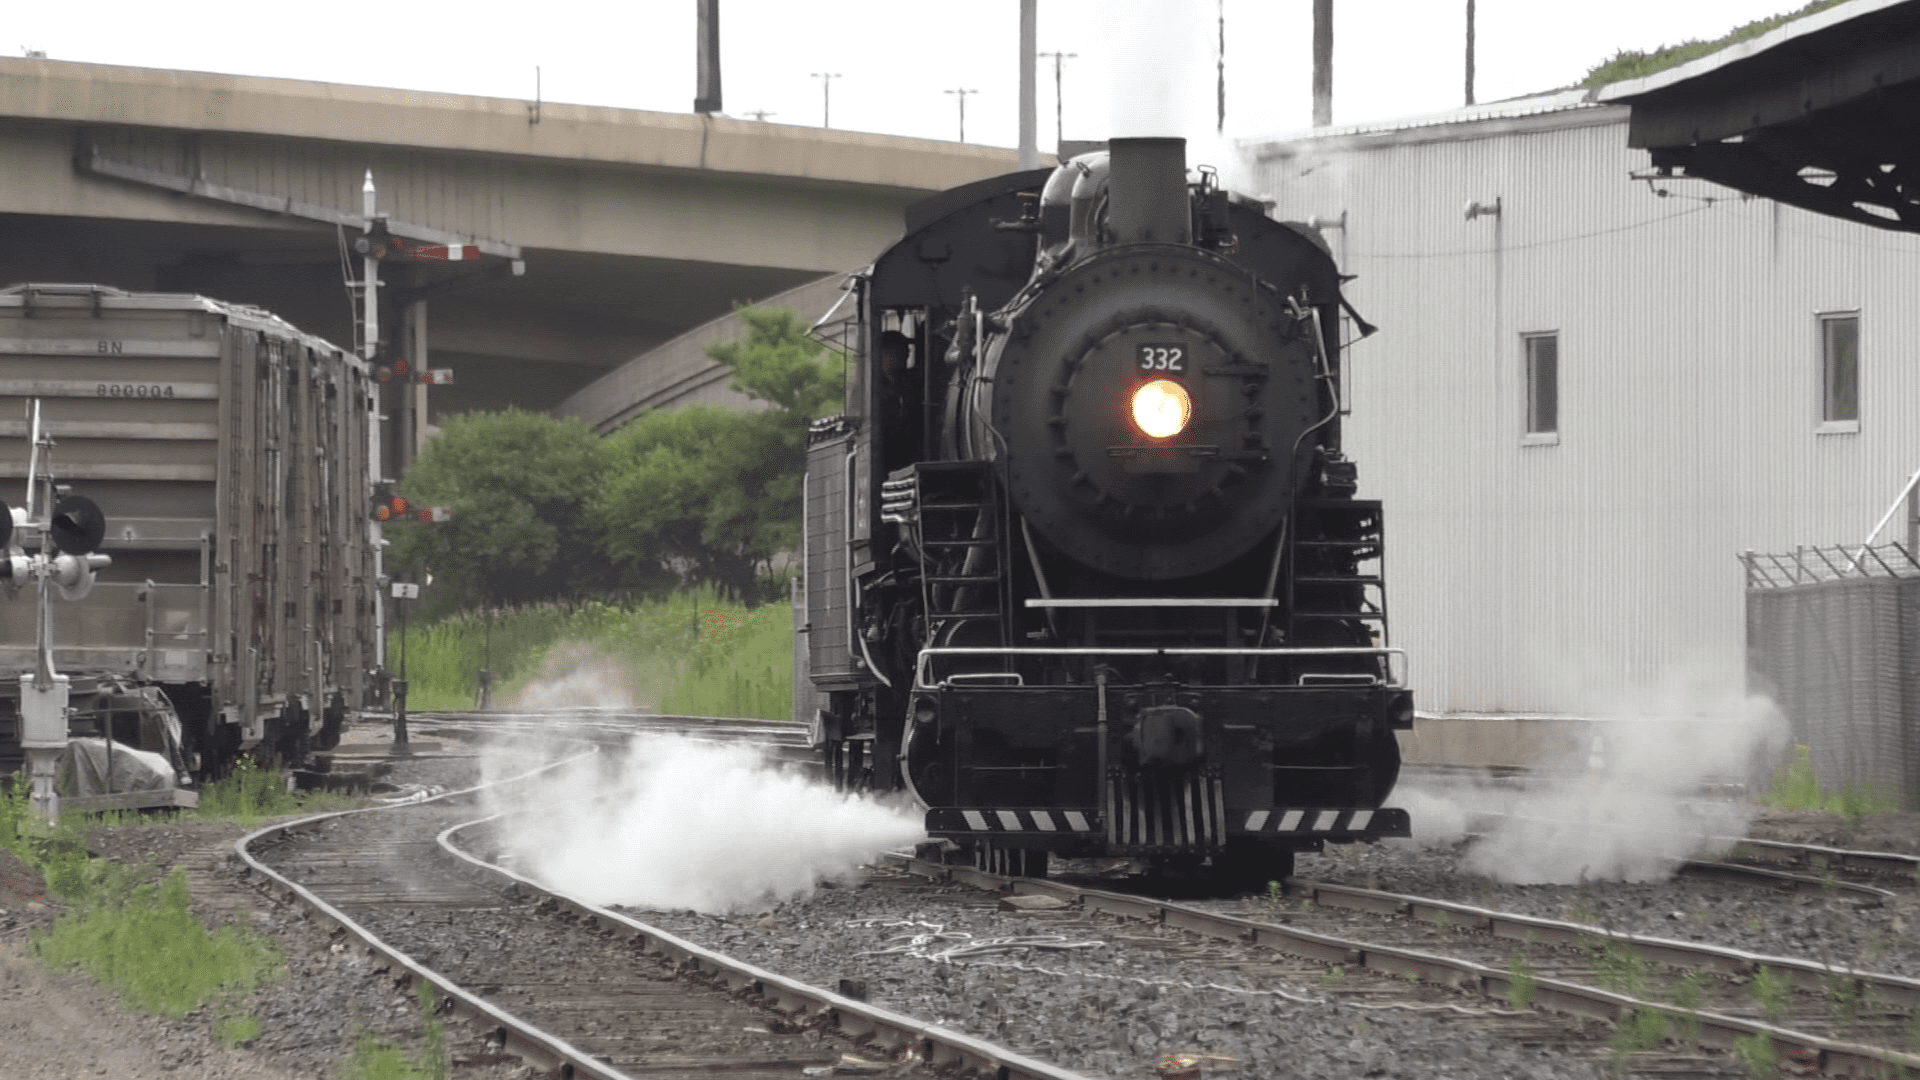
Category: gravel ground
[1073,1012]
[59,1025]
[1110,1010]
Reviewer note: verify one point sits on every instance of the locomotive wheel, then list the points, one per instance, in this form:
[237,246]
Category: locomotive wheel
[1250,866]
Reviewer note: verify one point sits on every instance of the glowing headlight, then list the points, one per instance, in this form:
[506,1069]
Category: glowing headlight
[1161,408]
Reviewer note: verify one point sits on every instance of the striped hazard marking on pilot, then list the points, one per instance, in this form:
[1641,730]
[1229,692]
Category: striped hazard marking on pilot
[1027,820]
[1290,821]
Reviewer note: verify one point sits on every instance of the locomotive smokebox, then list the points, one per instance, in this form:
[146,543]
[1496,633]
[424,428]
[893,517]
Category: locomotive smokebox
[1147,191]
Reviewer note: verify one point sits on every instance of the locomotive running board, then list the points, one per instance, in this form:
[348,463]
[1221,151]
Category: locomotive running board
[1339,824]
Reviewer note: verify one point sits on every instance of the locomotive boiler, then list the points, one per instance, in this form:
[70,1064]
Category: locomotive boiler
[1085,569]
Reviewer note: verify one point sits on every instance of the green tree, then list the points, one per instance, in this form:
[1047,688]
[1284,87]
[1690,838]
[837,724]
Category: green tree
[518,484]
[713,494]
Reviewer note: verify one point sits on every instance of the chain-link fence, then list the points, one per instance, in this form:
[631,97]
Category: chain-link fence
[1834,635]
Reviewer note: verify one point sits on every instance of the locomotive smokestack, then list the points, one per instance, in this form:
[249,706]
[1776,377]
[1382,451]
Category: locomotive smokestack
[1147,191]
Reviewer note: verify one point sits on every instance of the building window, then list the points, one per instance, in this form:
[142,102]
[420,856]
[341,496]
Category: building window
[1840,372]
[1543,387]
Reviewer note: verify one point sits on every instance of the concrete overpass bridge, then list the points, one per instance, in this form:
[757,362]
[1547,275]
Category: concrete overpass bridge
[632,227]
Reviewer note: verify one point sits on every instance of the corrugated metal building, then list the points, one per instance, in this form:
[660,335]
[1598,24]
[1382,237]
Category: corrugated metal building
[1587,396]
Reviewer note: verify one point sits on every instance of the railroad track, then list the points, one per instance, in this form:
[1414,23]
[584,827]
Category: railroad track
[1810,1017]
[574,989]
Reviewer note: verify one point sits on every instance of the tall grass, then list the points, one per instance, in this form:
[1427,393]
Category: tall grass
[692,652]
[144,942]
[137,938]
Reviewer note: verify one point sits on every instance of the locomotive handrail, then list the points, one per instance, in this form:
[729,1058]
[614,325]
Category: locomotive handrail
[1396,658]
[1149,601]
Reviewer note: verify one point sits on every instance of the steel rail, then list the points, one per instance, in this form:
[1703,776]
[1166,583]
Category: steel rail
[1718,1030]
[1780,879]
[1871,862]
[939,1046]
[524,1040]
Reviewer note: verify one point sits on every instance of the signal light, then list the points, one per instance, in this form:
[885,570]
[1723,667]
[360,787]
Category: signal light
[400,505]
[401,367]
[1161,408]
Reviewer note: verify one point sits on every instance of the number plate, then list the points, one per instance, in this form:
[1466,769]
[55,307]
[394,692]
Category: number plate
[1168,358]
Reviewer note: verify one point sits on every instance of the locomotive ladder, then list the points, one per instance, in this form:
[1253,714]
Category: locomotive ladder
[1334,537]
[959,526]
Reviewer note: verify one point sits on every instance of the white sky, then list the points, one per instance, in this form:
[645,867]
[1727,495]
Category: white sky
[896,57]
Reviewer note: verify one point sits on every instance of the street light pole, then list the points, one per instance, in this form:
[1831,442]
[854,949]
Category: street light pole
[962,95]
[826,96]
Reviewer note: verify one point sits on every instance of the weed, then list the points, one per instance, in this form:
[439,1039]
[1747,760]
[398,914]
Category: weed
[1796,787]
[375,1058]
[1755,1055]
[1334,975]
[1689,993]
[1522,985]
[239,1030]
[1913,1033]
[1641,1029]
[1843,997]
[1441,919]
[1618,965]
[1771,991]
[1634,64]
[247,795]
[144,942]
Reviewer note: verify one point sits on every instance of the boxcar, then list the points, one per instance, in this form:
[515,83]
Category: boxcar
[233,458]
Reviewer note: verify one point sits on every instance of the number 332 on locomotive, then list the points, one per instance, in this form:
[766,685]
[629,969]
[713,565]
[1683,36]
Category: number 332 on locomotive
[1163,358]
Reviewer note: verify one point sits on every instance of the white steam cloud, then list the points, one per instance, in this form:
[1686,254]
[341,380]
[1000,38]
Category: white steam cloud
[1161,80]
[1653,787]
[575,676]
[713,827]
[672,822]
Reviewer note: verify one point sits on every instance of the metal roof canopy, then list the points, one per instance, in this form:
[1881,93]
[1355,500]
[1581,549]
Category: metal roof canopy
[1822,113]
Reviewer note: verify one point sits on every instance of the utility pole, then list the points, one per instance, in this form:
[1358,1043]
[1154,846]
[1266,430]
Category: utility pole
[826,96]
[1029,121]
[1322,63]
[962,95]
[1469,52]
[1059,132]
[1221,125]
[761,114]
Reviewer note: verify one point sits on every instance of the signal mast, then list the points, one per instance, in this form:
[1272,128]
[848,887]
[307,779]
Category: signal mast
[66,531]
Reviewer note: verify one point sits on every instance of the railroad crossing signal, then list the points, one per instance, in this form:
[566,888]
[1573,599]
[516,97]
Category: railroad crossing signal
[440,376]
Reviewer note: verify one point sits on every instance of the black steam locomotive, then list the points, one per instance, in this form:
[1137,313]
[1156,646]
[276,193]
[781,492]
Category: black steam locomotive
[1084,568]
